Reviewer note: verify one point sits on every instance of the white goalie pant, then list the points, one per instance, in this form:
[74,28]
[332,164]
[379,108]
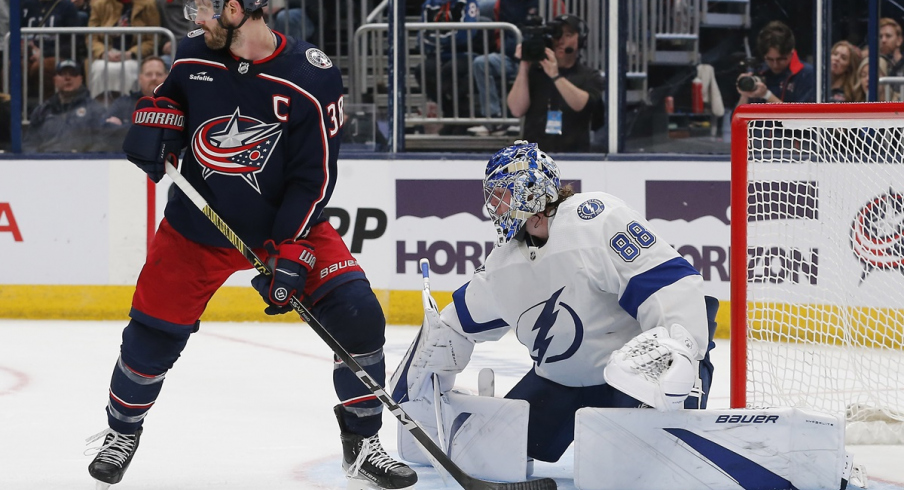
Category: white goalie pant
[644,449]
[485,436]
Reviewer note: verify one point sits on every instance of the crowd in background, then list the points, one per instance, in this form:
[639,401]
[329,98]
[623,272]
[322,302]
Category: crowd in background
[73,81]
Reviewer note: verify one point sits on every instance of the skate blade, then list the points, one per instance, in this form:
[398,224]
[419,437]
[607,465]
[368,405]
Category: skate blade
[355,484]
[101,486]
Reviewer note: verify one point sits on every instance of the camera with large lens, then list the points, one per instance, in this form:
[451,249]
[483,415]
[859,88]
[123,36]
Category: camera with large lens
[747,83]
[537,36]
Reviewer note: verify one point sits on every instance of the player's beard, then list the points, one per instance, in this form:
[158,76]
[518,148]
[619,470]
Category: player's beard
[218,35]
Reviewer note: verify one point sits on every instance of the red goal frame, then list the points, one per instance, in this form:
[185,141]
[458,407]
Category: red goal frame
[739,201]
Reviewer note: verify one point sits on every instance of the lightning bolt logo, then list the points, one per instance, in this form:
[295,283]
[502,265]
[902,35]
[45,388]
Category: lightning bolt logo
[543,324]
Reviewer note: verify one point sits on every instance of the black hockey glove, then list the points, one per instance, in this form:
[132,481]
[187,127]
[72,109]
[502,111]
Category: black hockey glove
[290,261]
[155,135]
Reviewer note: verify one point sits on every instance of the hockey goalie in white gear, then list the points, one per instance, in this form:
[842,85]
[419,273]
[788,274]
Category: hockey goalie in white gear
[484,435]
[656,367]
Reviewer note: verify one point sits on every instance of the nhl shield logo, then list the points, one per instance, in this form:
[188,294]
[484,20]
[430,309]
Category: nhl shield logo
[318,58]
[243,67]
[235,145]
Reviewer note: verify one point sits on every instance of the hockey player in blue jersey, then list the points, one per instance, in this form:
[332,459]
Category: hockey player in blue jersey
[260,116]
[609,312]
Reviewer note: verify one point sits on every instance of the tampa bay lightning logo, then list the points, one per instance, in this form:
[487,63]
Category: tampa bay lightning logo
[590,209]
[877,234]
[235,145]
[542,317]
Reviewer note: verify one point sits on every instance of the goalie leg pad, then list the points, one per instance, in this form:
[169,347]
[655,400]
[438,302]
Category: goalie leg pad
[711,449]
[552,410]
[485,436]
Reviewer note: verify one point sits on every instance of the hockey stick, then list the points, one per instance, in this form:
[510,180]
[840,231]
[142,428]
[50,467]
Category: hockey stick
[466,481]
[437,394]
[430,304]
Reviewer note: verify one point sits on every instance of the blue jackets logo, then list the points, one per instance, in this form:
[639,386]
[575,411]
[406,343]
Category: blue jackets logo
[877,234]
[235,145]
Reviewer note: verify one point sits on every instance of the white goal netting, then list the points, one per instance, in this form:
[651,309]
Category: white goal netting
[825,270]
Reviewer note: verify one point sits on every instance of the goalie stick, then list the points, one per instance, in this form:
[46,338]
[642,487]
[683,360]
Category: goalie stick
[466,481]
[429,303]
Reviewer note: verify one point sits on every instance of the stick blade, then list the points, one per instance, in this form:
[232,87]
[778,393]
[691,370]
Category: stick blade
[539,484]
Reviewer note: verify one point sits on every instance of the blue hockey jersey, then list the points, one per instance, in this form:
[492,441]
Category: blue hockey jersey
[262,139]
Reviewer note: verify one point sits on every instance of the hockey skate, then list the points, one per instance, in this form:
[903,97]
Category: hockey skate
[367,464]
[113,456]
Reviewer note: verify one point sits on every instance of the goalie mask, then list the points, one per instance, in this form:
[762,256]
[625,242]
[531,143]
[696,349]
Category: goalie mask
[520,181]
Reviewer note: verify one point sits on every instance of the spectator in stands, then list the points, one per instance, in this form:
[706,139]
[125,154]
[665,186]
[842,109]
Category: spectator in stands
[5,120]
[489,69]
[4,20]
[115,67]
[783,77]
[890,45]
[4,27]
[291,18]
[863,79]
[152,73]
[560,98]
[447,67]
[845,62]
[172,17]
[68,120]
[83,7]
[42,49]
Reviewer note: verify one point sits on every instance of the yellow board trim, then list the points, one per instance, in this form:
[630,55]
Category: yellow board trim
[229,304]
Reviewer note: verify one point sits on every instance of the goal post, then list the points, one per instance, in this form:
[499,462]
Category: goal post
[817,262]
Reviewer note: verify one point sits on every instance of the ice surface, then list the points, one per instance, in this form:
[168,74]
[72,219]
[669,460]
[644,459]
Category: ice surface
[248,406]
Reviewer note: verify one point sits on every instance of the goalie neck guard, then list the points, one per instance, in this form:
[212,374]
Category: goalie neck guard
[519,182]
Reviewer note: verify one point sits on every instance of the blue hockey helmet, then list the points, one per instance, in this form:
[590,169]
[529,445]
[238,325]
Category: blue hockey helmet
[520,181]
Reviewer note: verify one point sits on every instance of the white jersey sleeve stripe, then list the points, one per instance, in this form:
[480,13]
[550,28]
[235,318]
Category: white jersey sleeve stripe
[468,325]
[647,283]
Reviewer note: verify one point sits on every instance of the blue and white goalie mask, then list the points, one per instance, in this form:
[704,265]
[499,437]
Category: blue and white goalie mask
[520,181]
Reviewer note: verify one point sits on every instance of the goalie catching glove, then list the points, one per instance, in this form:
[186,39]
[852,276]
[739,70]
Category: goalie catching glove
[657,367]
[290,262]
[155,136]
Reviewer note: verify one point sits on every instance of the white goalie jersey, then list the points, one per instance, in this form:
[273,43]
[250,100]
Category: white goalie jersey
[603,277]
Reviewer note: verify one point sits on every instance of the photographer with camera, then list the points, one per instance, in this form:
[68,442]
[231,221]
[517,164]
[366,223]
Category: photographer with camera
[559,97]
[783,77]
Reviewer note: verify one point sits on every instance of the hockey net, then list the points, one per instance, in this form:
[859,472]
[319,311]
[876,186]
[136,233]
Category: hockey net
[818,206]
